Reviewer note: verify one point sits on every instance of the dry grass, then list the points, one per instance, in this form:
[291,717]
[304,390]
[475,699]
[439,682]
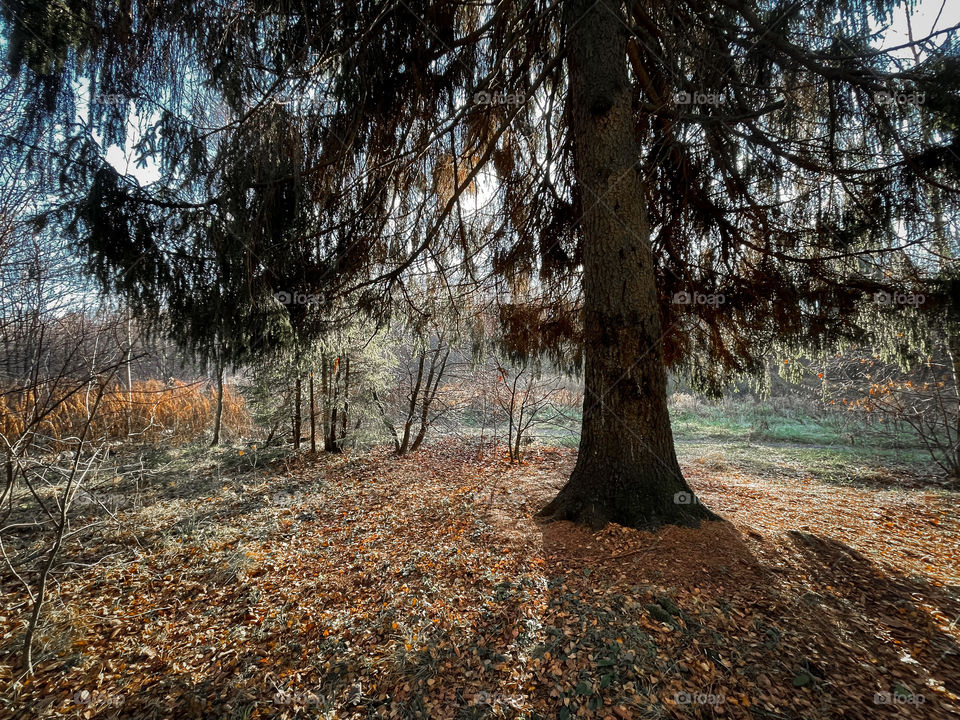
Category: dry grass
[151,411]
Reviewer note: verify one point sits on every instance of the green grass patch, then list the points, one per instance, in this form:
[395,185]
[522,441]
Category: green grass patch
[842,464]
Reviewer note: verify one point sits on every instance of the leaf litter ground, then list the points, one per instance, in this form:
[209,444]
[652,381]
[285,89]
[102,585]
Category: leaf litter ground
[423,587]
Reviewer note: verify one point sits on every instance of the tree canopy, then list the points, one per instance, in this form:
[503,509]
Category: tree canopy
[335,148]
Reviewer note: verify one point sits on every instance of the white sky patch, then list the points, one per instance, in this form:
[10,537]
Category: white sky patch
[124,160]
[927,17]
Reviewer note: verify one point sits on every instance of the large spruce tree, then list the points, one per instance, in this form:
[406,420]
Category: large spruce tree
[723,176]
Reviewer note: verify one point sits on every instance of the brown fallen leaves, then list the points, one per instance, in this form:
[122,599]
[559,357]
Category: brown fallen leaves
[422,587]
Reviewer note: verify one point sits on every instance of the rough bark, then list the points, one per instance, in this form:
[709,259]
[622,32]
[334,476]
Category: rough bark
[627,470]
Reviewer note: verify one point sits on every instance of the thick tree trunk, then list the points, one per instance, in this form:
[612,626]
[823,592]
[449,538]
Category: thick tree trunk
[627,470]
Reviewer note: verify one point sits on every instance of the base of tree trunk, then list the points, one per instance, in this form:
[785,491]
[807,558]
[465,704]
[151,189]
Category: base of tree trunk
[637,496]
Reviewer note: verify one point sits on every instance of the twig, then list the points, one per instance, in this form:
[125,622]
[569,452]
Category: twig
[638,551]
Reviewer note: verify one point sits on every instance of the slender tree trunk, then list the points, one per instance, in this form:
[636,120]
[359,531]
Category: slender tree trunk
[519,436]
[513,403]
[346,403]
[313,418]
[325,397]
[60,529]
[953,350]
[430,394]
[127,361]
[8,488]
[627,470]
[218,413]
[331,444]
[387,422]
[273,431]
[297,418]
[412,409]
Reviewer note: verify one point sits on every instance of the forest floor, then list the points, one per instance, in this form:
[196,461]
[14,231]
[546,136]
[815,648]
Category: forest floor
[423,587]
